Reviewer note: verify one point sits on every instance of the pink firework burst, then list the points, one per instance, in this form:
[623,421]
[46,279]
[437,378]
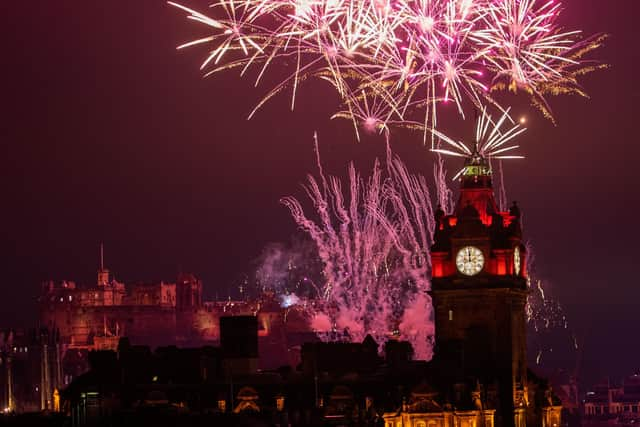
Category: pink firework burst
[411,55]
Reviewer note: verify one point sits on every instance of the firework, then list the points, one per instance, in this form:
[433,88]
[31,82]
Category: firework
[396,62]
[373,242]
[548,326]
[490,142]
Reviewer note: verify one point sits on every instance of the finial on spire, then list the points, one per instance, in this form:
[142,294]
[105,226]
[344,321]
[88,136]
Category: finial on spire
[514,210]
[103,274]
[101,256]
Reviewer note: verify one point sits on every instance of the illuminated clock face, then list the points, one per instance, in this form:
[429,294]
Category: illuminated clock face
[470,260]
[516,260]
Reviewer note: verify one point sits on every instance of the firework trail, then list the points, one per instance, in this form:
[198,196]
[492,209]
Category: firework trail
[502,192]
[397,62]
[547,320]
[443,192]
[373,239]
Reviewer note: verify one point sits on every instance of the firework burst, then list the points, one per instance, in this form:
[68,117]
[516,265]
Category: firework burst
[410,55]
[491,142]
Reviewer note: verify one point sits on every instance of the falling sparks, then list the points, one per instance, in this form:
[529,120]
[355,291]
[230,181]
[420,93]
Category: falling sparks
[546,318]
[373,241]
[409,55]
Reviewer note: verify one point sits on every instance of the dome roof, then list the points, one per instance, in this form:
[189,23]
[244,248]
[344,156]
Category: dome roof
[247,393]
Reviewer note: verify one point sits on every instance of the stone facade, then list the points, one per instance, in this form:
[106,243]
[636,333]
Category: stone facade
[610,404]
[423,410]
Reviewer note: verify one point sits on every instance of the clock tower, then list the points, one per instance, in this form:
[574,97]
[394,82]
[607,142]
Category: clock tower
[479,293]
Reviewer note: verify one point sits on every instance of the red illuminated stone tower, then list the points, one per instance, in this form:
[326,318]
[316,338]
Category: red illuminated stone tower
[479,293]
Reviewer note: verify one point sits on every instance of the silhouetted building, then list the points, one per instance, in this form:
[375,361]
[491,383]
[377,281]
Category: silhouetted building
[239,344]
[30,370]
[610,404]
[340,384]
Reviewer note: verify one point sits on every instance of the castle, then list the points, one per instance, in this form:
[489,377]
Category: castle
[155,314]
[74,320]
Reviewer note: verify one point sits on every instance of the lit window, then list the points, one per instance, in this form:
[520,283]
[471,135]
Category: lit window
[450,314]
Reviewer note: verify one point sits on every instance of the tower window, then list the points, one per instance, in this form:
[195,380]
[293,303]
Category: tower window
[450,314]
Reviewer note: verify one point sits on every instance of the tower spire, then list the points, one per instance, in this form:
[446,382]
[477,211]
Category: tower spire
[103,273]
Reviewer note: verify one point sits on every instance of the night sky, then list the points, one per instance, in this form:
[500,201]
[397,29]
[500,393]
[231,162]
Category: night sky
[109,134]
